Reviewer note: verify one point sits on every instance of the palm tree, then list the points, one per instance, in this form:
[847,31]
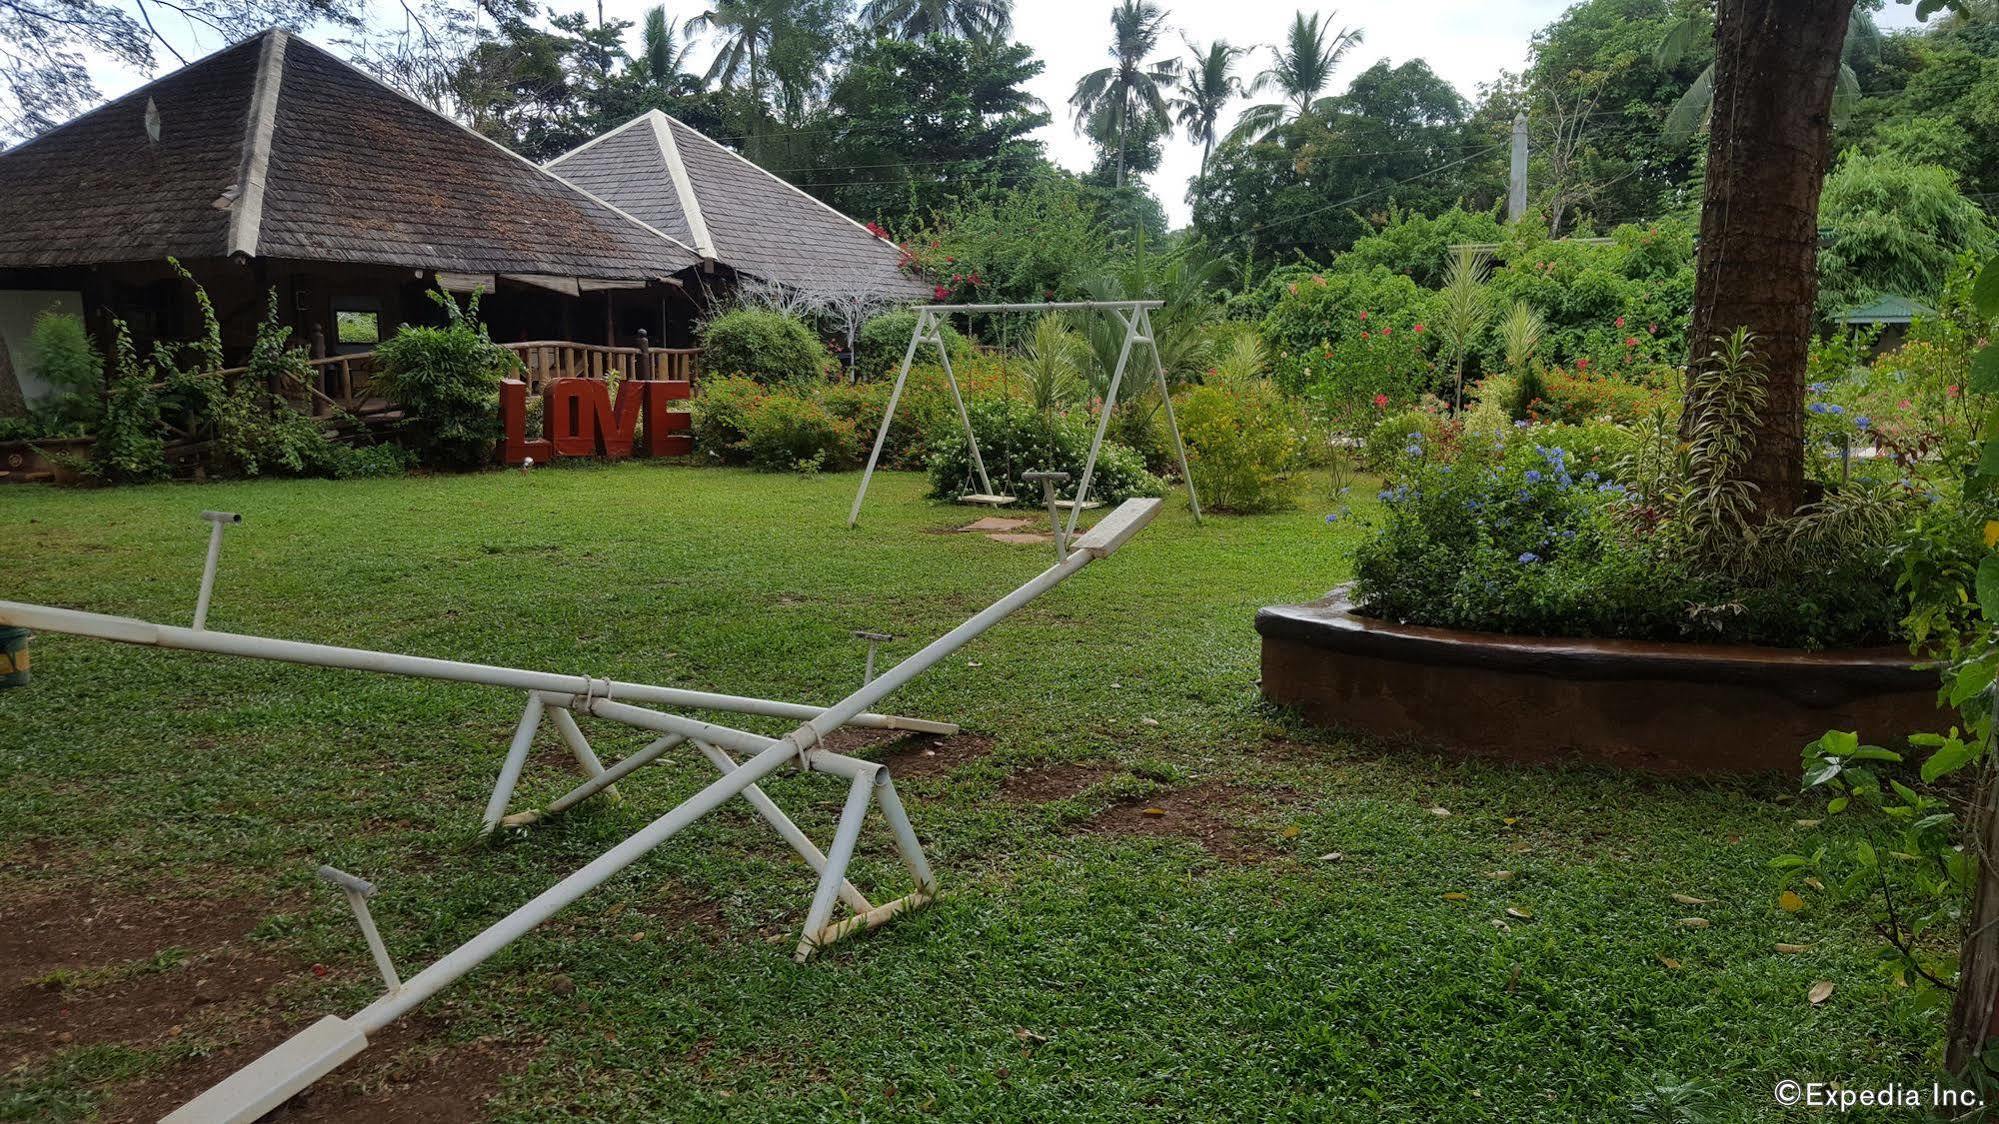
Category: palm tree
[1207,83]
[745,28]
[1303,69]
[964,19]
[1466,310]
[1130,88]
[1863,43]
[666,47]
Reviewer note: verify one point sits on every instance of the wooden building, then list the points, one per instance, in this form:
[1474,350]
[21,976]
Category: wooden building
[272,165]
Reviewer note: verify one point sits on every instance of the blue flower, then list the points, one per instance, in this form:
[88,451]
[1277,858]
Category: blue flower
[1816,408]
[1533,476]
[1530,558]
[1333,518]
[1863,421]
[1520,424]
[1819,387]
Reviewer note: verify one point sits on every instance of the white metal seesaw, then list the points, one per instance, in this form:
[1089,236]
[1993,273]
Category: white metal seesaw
[316,1051]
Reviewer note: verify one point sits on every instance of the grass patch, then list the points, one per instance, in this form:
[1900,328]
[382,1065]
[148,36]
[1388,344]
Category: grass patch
[1069,973]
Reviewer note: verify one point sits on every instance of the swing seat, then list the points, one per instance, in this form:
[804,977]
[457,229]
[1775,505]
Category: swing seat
[1088,505]
[987,501]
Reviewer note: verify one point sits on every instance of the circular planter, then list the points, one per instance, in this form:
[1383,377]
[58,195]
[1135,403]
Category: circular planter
[1667,707]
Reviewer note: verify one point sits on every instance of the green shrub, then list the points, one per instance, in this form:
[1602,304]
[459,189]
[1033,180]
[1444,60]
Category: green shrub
[884,340]
[786,432]
[761,344]
[251,429]
[721,408]
[1014,439]
[1389,443]
[129,448]
[64,357]
[447,381]
[1242,439]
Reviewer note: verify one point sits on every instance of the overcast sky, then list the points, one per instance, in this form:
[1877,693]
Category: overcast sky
[1465,41]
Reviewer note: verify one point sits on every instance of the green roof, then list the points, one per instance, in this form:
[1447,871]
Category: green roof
[1890,309]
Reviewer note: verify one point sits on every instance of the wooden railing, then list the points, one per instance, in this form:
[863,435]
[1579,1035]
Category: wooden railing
[544,360]
[342,382]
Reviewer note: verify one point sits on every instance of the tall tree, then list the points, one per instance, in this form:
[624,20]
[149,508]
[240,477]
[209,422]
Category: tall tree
[666,47]
[1130,87]
[914,19]
[1776,66]
[1207,84]
[909,124]
[1300,72]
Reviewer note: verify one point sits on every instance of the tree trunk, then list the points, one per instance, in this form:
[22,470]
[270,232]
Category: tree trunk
[1977,1001]
[1776,63]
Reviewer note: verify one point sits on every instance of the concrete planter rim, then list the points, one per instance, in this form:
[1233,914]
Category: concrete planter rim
[1333,624]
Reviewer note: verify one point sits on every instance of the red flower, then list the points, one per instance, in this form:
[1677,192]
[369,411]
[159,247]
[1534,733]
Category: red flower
[1951,390]
[1582,364]
[1363,314]
[1902,405]
[940,292]
[1363,335]
[1387,329]
[1631,341]
[1418,328]
[1380,401]
[1620,321]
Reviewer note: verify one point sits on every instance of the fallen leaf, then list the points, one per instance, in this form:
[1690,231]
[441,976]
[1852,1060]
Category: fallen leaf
[1790,902]
[1669,962]
[1026,1035]
[1689,899]
[1456,897]
[975,663]
[1815,884]
[1500,875]
[1153,812]
[1792,948]
[1821,991]
[1331,857]
[1513,979]
[1292,831]
[1148,721]
[1809,823]
[1500,924]
[1440,811]
[1693,922]
[1519,913]
[1509,821]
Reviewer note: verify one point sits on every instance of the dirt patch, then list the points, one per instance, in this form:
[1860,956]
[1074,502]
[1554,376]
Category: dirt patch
[1204,813]
[993,523]
[910,756]
[404,1077]
[1048,783]
[84,966]
[1019,538]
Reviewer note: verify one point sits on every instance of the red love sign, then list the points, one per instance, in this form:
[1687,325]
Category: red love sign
[578,419]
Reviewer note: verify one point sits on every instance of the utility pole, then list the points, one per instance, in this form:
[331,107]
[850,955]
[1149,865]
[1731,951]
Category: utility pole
[1516,187]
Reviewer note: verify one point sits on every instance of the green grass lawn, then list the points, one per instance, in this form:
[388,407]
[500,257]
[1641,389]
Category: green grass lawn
[1338,950]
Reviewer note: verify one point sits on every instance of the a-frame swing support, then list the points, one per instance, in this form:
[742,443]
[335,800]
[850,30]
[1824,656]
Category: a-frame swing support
[1135,316]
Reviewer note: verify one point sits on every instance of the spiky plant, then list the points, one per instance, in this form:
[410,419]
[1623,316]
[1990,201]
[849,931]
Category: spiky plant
[1301,70]
[1466,310]
[1520,334]
[1051,364]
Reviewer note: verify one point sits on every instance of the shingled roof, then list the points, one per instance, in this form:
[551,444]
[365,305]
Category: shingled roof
[705,195]
[275,148]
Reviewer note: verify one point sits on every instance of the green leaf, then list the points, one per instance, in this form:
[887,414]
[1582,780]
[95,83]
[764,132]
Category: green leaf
[1985,290]
[1837,804]
[1985,370]
[1823,774]
[1954,755]
[1988,459]
[1786,862]
[1873,753]
[1988,587]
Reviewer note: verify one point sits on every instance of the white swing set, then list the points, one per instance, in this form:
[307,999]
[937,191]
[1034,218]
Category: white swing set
[1135,316]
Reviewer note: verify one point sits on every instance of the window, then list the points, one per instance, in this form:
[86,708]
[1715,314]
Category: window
[358,327]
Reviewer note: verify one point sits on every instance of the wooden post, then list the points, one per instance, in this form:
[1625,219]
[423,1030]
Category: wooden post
[643,368]
[1974,1013]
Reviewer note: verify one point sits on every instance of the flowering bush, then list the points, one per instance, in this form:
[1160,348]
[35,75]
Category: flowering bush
[1362,330]
[1583,393]
[1523,536]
